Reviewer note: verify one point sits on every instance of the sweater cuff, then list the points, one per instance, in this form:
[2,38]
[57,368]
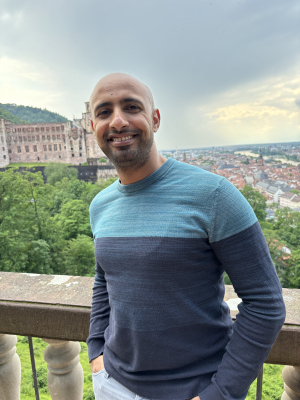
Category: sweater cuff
[211,393]
[95,348]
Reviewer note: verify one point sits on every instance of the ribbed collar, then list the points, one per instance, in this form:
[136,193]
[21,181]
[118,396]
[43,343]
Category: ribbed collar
[134,187]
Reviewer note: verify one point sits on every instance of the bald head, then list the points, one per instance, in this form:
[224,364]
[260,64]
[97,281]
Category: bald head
[115,82]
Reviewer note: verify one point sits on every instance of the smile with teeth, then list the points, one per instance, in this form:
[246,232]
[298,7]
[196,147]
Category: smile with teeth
[121,139]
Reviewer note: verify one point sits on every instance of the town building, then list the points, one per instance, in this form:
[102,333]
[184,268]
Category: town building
[69,142]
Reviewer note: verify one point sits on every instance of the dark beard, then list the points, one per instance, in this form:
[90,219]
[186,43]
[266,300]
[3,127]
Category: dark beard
[125,158]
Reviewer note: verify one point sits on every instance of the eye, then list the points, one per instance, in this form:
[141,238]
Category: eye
[132,107]
[103,112]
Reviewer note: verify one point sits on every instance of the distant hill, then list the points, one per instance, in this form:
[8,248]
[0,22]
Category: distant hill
[8,116]
[32,114]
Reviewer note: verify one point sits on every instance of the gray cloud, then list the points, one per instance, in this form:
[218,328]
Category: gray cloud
[189,53]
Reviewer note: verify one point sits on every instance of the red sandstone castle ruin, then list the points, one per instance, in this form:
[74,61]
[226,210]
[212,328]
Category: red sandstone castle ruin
[68,142]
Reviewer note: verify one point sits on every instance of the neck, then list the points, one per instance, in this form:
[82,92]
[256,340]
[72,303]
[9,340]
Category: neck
[154,161]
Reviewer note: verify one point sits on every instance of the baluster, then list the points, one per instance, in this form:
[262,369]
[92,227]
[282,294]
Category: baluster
[291,378]
[10,368]
[65,374]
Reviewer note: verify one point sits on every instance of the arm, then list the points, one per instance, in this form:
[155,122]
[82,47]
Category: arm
[99,317]
[240,246]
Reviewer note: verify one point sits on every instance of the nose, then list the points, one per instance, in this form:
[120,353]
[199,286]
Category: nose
[118,121]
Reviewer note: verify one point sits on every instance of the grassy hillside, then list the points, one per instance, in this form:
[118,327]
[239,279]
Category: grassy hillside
[10,117]
[32,114]
[272,386]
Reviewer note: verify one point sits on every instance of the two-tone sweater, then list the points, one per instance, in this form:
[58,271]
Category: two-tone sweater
[162,245]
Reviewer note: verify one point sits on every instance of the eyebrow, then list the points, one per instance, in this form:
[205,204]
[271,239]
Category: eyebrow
[123,101]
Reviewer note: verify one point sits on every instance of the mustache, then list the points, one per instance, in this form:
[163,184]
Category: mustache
[113,132]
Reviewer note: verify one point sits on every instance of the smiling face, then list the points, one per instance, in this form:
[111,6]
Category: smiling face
[124,120]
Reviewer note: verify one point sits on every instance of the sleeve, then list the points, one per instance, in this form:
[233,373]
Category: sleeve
[239,244]
[99,315]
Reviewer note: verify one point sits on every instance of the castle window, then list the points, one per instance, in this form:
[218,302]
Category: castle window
[53,137]
[43,138]
[59,156]
[50,147]
[58,128]
[55,147]
[19,130]
[33,138]
[47,128]
[58,137]
[3,148]
[9,150]
[25,139]
[29,138]
[80,155]
[24,130]
[27,149]
[42,129]
[35,148]
[44,147]
[4,157]
[80,148]
[20,139]
[62,127]
[38,138]
[37,129]
[48,138]
[60,147]
[53,128]
[19,149]
[45,157]
[73,155]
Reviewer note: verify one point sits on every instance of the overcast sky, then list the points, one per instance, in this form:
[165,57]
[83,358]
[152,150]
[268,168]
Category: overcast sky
[221,71]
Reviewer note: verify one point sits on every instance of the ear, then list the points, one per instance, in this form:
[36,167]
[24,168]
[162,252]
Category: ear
[92,125]
[156,120]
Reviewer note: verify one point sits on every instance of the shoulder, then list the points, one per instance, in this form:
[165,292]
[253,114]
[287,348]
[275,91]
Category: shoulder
[193,177]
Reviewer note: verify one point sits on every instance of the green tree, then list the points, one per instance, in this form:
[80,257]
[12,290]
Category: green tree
[295,191]
[256,201]
[102,160]
[80,256]
[291,278]
[55,172]
[73,220]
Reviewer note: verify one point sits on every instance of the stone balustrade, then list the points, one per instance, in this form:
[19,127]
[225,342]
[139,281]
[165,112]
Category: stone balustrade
[57,309]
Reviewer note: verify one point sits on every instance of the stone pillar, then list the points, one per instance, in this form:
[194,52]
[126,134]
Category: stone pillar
[65,374]
[291,378]
[10,368]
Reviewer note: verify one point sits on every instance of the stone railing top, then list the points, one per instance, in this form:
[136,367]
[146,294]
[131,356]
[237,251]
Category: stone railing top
[61,290]
[76,291]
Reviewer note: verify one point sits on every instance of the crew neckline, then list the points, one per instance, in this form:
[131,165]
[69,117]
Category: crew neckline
[139,185]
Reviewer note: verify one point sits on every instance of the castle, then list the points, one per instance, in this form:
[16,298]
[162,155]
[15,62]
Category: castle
[69,142]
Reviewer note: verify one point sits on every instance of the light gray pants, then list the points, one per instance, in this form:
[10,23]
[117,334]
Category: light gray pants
[107,388]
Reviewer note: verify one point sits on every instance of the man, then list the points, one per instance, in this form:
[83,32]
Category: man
[164,234]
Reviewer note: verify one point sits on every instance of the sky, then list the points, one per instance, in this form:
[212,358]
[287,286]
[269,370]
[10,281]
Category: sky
[222,72]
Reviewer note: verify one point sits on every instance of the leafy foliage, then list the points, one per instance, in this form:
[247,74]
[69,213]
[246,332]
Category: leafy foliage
[32,114]
[256,200]
[10,117]
[55,172]
[44,228]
